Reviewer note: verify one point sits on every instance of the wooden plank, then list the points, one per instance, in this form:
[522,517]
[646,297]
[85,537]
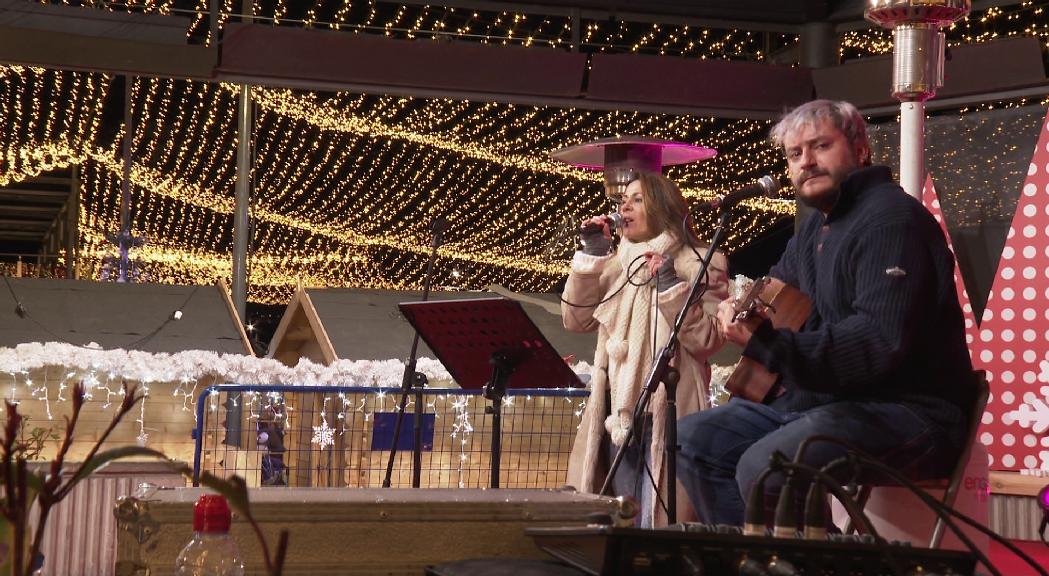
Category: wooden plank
[1017,484]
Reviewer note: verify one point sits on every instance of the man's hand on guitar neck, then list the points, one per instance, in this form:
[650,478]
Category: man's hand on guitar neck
[736,330]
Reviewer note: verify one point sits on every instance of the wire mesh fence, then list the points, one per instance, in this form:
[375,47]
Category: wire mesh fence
[324,436]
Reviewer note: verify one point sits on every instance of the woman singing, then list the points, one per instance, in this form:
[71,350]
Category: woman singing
[631,297]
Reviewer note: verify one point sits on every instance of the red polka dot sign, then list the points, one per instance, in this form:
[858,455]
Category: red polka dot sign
[1013,339]
[932,204]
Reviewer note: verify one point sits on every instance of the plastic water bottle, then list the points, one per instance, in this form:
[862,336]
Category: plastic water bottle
[211,552]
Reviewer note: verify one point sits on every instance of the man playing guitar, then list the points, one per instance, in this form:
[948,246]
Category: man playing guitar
[881,360]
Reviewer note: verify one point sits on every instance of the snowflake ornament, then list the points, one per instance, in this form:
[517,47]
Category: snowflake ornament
[1035,413]
[323,435]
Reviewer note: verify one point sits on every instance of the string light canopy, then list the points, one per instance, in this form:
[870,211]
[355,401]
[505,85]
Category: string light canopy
[345,184]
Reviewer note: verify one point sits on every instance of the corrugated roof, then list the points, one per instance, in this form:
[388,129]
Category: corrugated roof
[366,324]
[130,316]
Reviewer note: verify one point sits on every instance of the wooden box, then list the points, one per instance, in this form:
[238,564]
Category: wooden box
[364,531]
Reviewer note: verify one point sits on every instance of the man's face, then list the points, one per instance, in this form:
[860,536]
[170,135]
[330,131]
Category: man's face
[820,157]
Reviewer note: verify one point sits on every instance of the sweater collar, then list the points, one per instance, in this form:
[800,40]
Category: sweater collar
[855,184]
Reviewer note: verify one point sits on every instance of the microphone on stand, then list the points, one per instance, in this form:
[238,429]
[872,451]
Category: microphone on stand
[766,186]
[411,378]
[438,227]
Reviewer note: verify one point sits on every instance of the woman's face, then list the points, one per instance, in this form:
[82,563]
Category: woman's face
[635,214]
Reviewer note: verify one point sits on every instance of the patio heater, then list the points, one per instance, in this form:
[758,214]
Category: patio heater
[917,70]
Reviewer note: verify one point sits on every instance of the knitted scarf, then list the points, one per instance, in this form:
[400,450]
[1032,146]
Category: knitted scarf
[628,318]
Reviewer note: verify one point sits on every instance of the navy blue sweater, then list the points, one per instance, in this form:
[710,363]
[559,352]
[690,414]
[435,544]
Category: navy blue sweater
[885,324]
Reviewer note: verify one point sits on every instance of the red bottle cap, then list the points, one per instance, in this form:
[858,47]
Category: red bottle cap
[211,514]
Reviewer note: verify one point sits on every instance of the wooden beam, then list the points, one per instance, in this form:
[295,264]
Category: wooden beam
[1016,484]
[67,51]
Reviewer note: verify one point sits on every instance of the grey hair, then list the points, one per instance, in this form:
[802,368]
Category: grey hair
[843,115]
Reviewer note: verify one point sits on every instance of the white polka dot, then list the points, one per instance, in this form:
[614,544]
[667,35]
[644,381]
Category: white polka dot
[1030,462]
[986,355]
[988,314]
[1008,439]
[969,337]
[986,335]
[1029,356]
[1045,441]
[1007,419]
[1008,398]
[1007,335]
[1008,377]
[987,418]
[986,439]
[1007,294]
[1029,335]
[1030,231]
[1012,232]
[1008,273]
[1030,440]
[1030,210]
[1029,314]
[1007,355]
[1008,460]
[1032,169]
[968,323]
[1008,253]
[1007,314]
[1029,272]
[990,378]
[1029,293]
[1029,397]
[1046,336]
[1029,251]
[1030,377]
[967,308]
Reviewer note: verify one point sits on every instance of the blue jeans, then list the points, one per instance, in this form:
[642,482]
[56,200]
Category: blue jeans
[632,478]
[724,449]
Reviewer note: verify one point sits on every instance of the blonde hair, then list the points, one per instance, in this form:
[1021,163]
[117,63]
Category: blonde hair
[843,115]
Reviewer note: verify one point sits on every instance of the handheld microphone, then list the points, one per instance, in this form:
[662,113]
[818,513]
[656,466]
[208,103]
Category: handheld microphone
[614,220]
[766,186]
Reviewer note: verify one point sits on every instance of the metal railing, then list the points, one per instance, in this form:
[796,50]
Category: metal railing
[328,436]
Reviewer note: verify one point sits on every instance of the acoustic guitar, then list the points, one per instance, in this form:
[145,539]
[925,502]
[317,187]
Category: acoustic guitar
[786,307]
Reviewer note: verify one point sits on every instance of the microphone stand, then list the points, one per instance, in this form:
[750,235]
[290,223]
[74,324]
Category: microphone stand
[663,372]
[415,380]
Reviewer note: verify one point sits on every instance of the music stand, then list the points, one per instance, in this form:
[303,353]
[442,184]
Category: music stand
[489,343]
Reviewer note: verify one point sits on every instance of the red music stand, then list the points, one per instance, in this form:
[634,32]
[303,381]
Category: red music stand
[489,343]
